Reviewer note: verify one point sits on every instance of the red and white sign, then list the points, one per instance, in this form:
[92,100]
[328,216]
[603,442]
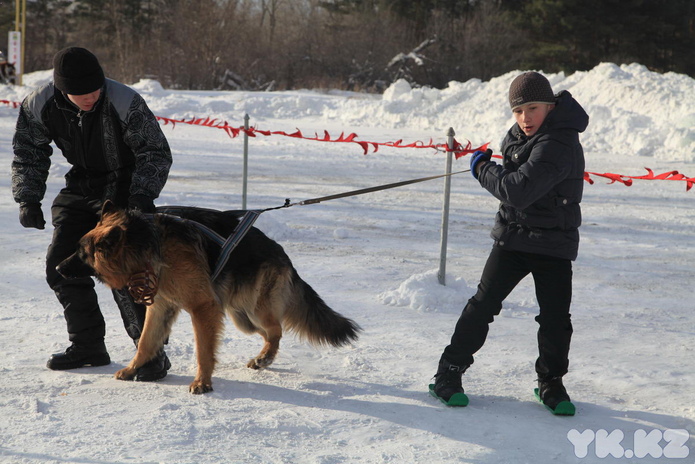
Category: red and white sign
[14,51]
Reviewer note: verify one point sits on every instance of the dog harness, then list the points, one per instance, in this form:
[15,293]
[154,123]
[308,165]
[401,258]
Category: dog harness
[227,245]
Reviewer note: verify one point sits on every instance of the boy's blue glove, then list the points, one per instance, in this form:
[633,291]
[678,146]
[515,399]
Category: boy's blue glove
[478,157]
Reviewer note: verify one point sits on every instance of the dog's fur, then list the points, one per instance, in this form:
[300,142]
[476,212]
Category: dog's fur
[258,286]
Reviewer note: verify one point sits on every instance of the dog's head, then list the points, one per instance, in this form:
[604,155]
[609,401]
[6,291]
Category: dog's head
[114,250]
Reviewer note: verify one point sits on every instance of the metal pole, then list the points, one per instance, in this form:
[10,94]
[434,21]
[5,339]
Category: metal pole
[445,209]
[246,162]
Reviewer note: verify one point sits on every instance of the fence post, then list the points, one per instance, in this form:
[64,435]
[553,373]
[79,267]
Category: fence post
[445,208]
[245,174]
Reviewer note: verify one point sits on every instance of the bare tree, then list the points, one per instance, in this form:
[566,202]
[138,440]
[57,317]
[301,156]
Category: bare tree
[269,9]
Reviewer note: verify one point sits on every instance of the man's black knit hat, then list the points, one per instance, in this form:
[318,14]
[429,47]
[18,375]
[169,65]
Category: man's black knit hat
[530,87]
[76,71]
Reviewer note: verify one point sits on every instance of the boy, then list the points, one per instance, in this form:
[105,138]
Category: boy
[539,185]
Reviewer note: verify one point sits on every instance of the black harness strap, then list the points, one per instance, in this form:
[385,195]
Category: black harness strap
[245,223]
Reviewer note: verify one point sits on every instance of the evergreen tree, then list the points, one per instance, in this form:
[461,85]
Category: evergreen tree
[571,35]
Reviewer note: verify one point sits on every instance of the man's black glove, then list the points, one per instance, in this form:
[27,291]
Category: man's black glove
[142,203]
[478,159]
[30,215]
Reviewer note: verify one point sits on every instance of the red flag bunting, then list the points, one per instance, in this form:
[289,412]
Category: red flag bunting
[627,180]
[10,103]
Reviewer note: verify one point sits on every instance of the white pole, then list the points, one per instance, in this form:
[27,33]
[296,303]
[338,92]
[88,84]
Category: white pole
[445,209]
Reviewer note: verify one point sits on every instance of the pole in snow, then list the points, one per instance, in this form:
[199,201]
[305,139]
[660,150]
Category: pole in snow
[441,275]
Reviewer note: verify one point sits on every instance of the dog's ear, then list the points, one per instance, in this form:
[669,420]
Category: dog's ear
[110,240]
[108,207]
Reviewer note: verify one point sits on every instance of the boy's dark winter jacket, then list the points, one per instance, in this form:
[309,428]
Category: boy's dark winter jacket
[116,150]
[540,184]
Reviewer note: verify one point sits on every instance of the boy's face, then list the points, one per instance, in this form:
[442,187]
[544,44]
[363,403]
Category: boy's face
[530,116]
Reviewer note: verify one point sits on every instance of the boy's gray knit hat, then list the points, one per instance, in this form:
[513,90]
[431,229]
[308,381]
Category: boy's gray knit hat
[530,87]
[76,71]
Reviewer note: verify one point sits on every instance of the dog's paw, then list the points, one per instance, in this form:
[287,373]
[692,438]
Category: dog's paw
[125,374]
[259,363]
[198,387]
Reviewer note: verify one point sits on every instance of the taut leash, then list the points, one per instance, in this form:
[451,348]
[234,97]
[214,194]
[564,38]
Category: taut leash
[353,193]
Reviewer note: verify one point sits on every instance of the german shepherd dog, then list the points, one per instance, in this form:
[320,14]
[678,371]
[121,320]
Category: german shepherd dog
[258,287]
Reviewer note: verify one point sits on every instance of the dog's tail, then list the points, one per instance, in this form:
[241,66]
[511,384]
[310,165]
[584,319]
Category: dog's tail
[313,320]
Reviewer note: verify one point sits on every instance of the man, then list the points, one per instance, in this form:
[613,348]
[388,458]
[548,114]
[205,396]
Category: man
[118,152]
[539,185]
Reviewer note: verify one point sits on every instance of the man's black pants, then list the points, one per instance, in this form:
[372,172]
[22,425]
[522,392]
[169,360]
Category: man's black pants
[73,216]
[502,272]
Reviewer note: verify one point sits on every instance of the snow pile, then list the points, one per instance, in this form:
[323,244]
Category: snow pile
[423,292]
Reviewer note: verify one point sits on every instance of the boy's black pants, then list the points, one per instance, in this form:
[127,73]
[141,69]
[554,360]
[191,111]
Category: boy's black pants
[73,216]
[502,272]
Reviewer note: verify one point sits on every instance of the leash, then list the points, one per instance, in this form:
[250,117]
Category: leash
[353,193]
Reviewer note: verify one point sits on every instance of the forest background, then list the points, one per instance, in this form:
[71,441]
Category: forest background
[361,45]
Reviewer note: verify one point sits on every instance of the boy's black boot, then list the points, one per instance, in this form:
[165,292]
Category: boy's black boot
[154,369]
[79,356]
[447,381]
[552,392]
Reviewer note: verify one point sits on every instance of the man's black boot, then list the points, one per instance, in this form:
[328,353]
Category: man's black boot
[79,356]
[154,369]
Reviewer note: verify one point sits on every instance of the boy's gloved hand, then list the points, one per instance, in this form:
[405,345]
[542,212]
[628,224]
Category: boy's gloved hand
[479,158]
[31,216]
[142,203]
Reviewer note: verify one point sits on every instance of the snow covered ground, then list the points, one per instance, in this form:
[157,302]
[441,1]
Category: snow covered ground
[374,259]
